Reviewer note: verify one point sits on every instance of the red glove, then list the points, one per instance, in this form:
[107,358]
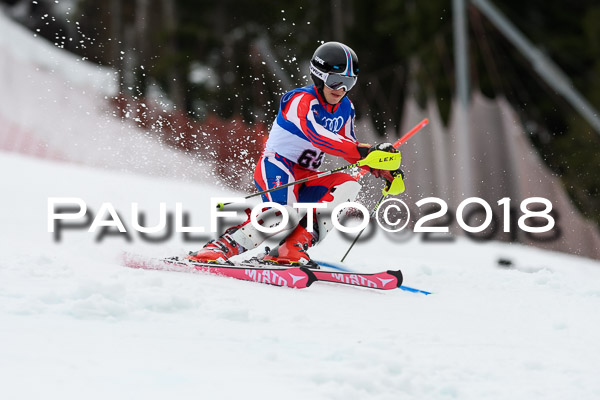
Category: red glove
[387,175]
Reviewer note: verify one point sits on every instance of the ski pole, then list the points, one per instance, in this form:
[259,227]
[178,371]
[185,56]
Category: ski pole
[360,233]
[410,133]
[394,187]
[376,159]
[398,143]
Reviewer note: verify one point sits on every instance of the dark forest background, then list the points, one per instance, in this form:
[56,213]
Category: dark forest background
[235,58]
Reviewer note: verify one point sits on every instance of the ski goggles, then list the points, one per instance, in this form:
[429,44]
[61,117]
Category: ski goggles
[334,81]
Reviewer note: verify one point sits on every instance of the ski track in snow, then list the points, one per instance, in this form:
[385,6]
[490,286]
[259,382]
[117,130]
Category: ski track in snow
[75,324]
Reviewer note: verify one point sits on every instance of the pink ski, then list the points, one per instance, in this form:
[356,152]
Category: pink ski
[298,278]
[293,277]
[382,280]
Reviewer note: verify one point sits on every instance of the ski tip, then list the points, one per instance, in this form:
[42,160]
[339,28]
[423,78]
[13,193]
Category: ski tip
[138,261]
[130,260]
[398,275]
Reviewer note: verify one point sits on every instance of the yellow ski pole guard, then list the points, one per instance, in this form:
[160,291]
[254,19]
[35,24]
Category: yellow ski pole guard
[379,159]
[395,187]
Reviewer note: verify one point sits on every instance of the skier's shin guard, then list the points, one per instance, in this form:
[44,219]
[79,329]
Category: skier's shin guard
[341,193]
[250,237]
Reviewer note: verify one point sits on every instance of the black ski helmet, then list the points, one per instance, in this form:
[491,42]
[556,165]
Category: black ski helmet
[337,62]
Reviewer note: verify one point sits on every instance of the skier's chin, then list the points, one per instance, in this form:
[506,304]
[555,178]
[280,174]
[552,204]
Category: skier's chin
[334,98]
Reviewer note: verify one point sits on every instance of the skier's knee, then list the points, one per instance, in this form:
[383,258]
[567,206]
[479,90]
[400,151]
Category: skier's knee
[342,193]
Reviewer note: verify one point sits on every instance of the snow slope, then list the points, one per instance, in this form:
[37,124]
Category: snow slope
[38,82]
[75,324]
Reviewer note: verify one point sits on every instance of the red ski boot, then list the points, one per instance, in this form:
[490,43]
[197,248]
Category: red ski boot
[292,250]
[217,251]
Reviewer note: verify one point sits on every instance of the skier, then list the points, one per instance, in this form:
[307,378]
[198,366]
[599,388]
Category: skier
[312,121]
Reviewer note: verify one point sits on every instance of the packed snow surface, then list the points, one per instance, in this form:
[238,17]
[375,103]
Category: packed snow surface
[75,324]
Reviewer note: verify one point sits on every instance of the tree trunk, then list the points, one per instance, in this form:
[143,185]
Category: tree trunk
[175,75]
[116,25]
